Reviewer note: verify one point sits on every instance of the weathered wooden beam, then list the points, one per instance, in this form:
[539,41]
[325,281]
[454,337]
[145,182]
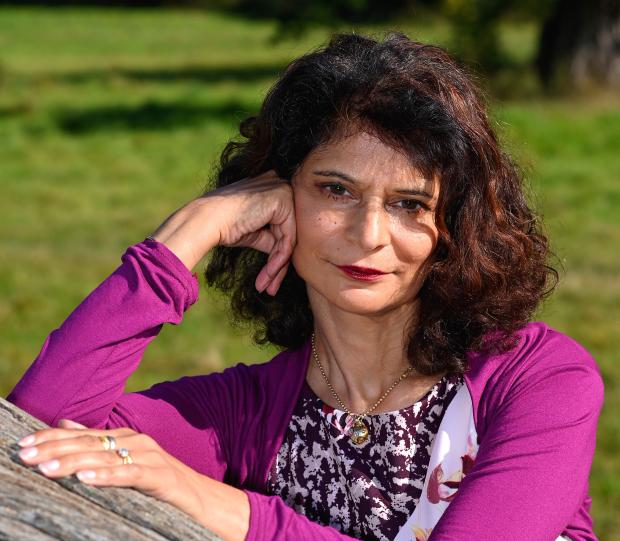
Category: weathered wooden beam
[36,508]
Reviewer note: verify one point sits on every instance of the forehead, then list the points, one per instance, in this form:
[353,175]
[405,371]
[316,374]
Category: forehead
[368,160]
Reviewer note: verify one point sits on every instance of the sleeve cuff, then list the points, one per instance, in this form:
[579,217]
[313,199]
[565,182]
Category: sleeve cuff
[253,529]
[187,279]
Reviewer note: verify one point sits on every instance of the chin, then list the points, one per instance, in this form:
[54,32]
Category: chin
[360,301]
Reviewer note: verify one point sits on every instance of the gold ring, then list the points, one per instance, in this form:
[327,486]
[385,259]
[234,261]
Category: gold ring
[109,442]
[124,454]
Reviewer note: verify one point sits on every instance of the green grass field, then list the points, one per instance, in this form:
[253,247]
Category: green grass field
[110,120]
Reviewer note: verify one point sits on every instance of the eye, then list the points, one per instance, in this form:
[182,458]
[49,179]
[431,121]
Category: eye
[413,206]
[334,190]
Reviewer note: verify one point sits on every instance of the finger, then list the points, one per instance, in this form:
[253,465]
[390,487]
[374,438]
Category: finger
[68,423]
[281,256]
[82,442]
[274,264]
[127,475]
[263,240]
[286,233]
[269,270]
[153,481]
[56,449]
[70,464]
[273,287]
[138,476]
[276,261]
[50,434]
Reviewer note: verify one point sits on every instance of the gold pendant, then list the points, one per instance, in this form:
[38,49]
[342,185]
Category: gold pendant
[359,432]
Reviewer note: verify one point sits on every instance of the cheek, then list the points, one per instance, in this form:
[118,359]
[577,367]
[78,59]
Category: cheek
[315,226]
[316,236]
[420,246]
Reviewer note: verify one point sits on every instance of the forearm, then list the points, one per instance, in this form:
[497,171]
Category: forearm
[191,231]
[84,364]
[222,509]
[240,515]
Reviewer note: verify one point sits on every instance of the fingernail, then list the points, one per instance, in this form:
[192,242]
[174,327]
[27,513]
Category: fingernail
[262,287]
[28,452]
[86,474]
[49,466]
[261,283]
[27,440]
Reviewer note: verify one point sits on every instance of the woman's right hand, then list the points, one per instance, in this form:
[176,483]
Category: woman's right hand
[255,212]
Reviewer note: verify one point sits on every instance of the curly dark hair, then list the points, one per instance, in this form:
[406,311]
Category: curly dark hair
[489,270]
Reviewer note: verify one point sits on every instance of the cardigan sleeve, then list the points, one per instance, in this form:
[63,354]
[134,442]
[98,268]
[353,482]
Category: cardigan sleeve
[272,520]
[534,458]
[81,370]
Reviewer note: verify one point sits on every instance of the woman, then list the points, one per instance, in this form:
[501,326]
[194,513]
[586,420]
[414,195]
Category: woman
[371,226]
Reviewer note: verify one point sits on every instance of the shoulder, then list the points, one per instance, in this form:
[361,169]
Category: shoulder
[538,347]
[544,363]
[541,345]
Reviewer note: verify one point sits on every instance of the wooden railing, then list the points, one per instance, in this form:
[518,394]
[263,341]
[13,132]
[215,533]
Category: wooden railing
[36,508]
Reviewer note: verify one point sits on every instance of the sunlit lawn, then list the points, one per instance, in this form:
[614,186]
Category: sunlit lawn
[110,120]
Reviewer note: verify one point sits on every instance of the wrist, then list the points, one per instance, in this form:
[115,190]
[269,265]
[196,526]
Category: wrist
[189,233]
[224,510]
[180,248]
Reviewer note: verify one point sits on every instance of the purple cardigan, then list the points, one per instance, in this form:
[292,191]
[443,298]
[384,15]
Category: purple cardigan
[536,411]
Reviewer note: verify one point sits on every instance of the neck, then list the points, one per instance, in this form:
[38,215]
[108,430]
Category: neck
[361,355]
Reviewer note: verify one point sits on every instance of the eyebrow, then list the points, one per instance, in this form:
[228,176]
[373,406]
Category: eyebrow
[350,179]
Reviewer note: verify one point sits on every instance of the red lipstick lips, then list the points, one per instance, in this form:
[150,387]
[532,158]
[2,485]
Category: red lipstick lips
[361,273]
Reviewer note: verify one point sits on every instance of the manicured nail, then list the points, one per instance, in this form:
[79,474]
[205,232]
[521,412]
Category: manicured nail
[49,466]
[28,452]
[262,285]
[85,475]
[262,282]
[26,440]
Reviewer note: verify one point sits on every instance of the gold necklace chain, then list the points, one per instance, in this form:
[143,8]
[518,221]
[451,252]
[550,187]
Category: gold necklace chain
[358,416]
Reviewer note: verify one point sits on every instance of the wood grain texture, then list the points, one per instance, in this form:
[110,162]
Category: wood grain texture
[36,508]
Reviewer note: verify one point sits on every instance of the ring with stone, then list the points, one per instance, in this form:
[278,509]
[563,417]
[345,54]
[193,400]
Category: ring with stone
[109,442]
[124,454]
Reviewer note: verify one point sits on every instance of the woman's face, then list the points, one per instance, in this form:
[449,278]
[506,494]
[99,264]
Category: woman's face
[358,202]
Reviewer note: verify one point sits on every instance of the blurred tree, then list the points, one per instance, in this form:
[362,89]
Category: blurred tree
[475,32]
[294,18]
[580,44]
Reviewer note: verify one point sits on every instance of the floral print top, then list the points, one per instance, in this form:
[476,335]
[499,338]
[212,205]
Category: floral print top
[369,490]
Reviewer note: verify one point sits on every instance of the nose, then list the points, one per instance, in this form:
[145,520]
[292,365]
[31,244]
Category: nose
[370,226]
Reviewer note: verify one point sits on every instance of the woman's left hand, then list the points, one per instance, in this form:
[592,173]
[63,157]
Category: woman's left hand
[75,449]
